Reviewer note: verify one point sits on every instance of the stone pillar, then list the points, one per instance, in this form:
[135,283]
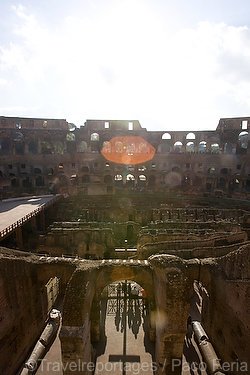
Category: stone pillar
[42,218]
[33,223]
[76,350]
[172,309]
[19,237]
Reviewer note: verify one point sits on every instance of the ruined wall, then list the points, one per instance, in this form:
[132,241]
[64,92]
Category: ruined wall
[227,308]
[23,305]
[171,291]
[204,246]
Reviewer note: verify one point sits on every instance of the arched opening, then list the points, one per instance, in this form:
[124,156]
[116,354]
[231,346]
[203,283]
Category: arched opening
[242,145]
[202,147]
[83,146]
[46,147]
[123,319]
[108,179]
[19,148]
[14,183]
[118,180]
[119,148]
[215,148]
[211,170]
[32,147]
[50,171]
[190,147]
[130,180]
[190,136]
[94,142]
[166,136]
[85,169]
[142,179]
[71,144]
[5,147]
[107,147]
[59,148]
[37,170]
[178,147]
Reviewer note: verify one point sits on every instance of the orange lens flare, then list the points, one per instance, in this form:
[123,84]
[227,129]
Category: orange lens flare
[128,150]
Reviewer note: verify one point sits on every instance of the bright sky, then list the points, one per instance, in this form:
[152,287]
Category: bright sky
[171,64]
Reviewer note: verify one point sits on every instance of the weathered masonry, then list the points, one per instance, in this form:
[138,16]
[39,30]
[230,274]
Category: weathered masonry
[109,157]
[168,281]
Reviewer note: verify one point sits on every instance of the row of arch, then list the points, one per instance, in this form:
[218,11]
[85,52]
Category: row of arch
[58,144]
[172,179]
[59,148]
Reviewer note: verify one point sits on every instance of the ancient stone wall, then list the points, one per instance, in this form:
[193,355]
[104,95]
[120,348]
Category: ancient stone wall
[23,305]
[227,308]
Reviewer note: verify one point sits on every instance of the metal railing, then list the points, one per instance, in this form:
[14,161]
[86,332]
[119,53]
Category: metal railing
[11,228]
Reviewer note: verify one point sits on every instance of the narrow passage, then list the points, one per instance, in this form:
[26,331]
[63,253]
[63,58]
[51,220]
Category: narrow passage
[127,348]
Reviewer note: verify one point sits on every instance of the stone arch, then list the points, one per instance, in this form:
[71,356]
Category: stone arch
[5,146]
[230,137]
[59,147]
[164,278]
[85,169]
[242,145]
[166,136]
[14,182]
[94,142]
[190,136]
[178,147]
[202,147]
[142,179]
[19,147]
[130,180]
[211,170]
[83,146]
[190,147]
[32,147]
[46,143]
[37,170]
[215,148]
[83,295]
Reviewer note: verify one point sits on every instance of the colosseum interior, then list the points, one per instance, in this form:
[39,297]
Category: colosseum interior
[167,210]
